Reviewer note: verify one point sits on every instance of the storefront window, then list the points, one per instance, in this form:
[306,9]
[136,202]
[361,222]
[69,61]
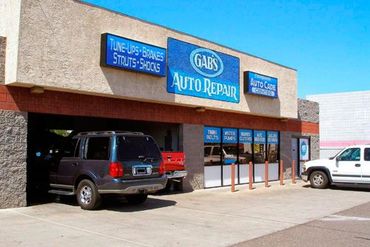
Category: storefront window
[272,146]
[230,147]
[212,146]
[245,146]
[259,146]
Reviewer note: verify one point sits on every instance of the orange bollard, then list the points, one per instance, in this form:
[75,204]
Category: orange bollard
[250,175]
[232,177]
[293,172]
[266,174]
[281,172]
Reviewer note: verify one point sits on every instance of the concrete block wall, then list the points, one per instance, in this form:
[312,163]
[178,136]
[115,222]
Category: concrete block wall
[13,154]
[191,142]
[2,58]
[309,111]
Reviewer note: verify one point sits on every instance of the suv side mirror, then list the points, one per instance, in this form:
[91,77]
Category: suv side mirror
[337,158]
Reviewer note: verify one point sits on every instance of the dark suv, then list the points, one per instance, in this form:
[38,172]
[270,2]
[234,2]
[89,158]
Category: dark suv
[108,162]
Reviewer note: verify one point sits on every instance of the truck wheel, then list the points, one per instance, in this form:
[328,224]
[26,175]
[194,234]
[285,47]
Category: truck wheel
[88,196]
[136,199]
[319,180]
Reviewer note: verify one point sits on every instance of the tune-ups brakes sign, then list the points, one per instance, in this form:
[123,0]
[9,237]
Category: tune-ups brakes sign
[122,53]
[200,72]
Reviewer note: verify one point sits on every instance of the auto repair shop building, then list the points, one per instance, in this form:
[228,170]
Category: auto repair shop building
[67,65]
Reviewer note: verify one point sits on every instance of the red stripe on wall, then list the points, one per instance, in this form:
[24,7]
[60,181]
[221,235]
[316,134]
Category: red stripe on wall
[62,103]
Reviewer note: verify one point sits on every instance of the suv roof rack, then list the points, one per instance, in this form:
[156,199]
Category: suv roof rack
[109,132]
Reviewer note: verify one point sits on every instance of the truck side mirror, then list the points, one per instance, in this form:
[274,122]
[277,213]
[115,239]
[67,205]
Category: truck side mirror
[337,159]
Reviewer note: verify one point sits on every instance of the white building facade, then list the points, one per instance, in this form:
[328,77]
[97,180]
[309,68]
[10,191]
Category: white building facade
[344,120]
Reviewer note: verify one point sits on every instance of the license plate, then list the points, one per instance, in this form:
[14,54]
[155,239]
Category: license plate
[141,170]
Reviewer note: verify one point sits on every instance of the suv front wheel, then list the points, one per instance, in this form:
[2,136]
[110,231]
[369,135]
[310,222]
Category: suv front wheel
[319,180]
[88,196]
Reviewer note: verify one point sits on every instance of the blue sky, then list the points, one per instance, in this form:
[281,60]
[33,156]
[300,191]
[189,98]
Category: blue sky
[327,41]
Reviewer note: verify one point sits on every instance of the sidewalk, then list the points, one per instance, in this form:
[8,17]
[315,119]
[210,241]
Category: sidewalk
[213,217]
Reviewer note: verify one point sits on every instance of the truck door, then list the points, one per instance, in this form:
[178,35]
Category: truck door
[366,166]
[347,168]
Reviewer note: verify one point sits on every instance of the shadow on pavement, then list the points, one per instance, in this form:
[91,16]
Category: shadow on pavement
[363,188]
[346,187]
[120,204]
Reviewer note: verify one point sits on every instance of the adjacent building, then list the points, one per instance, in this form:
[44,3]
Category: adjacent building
[66,66]
[344,120]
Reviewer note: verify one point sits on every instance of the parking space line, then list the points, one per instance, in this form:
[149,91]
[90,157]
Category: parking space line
[335,217]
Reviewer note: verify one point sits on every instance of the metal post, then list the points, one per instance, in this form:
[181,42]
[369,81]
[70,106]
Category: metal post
[250,175]
[281,172]
[232,177]
[266,174]
[293,172]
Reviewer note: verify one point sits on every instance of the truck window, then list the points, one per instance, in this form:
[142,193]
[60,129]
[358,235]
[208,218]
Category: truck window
[97,148]
[207,151]
[367,154]
[350,154]
[216,151]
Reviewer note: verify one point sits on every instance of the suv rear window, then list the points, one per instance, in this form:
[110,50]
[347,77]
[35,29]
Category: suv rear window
[137,147]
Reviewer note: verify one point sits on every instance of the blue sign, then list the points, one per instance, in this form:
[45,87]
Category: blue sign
[260,84]
[245,136]
[229,135]
[128,54]
[304,149]
[272,137]
[259,137]
[203,73]
[212,135]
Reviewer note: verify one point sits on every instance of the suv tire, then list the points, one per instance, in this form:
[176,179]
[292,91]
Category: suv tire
[136,199]
[319,180]
[88,196]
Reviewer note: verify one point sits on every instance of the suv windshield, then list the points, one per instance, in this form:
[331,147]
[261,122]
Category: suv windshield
[137,147]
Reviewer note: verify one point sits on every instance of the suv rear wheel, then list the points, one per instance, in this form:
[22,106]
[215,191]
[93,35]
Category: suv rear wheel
[319,180]
[136,199]
[88,196]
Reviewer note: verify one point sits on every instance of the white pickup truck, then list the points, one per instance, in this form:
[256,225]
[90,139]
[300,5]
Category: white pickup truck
[349,166]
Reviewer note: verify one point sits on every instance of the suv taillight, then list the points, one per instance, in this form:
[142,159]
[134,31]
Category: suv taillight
[161,168]
[116,169]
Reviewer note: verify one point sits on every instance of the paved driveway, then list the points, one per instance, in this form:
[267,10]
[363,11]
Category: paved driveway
[213,217]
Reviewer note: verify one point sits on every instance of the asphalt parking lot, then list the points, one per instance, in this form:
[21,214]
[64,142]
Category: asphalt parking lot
[214,217]
[350,227]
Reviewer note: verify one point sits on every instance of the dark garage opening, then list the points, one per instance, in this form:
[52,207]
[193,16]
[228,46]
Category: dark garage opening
[48,134]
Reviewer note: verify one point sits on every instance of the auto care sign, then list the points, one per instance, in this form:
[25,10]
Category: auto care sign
[200,72]
[123,53]
[260,84]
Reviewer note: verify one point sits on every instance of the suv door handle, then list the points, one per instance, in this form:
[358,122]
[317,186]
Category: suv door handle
[357,165]
[75,164]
